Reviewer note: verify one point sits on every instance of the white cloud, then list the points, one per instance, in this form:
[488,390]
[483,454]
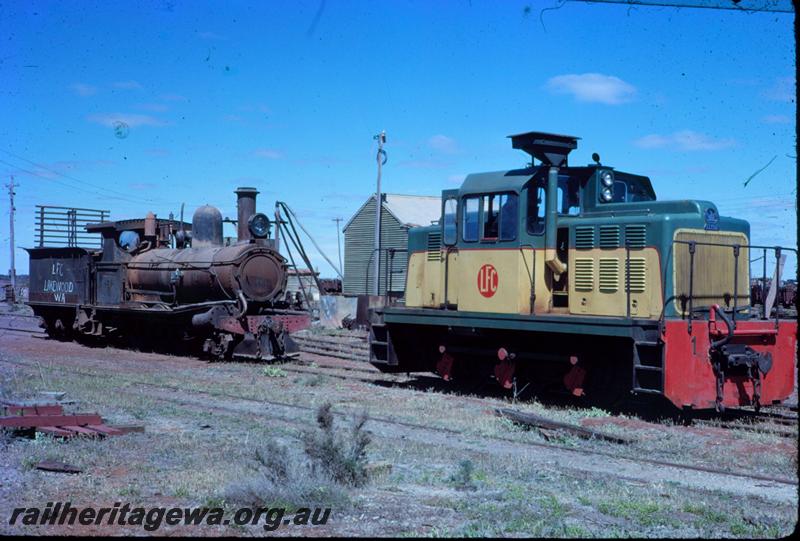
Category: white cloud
[593,87]
[776,119]
[684,140]
[210,36]
[128,85]
[157,107]
[782,90]
[269,153]
[132,120]
[442,143]
[83,90]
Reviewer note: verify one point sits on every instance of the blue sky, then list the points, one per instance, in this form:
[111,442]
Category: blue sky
[287,96]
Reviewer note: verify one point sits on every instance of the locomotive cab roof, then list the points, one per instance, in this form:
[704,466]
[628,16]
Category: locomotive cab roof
[552,150]
[516,179]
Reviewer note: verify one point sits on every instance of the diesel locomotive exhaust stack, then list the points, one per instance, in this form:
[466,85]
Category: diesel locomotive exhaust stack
[552,150]
[246,208]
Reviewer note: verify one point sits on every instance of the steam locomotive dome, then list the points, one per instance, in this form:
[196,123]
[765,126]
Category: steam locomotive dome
[208,271]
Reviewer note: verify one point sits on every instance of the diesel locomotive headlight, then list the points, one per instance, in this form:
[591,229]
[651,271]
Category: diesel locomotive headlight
[259,225]
[607,178]
[605,195]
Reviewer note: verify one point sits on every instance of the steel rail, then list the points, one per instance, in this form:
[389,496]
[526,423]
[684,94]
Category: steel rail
[587,452]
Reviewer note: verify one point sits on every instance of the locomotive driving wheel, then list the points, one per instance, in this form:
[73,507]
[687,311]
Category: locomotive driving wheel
[220,346]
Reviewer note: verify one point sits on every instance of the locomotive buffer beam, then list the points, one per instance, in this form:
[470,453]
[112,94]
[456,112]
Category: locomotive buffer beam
[735,358]
[262,337]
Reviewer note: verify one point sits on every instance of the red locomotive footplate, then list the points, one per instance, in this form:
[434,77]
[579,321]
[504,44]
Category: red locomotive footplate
[291,322]
[689,378]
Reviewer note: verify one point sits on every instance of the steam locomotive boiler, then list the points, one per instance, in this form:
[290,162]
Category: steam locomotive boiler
[173,284]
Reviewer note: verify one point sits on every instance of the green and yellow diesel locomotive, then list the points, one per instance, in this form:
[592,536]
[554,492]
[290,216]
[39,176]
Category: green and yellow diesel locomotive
[580,277]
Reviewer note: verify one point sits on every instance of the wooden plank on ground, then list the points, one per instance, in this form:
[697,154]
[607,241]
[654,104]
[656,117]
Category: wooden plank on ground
[20,421]
[529,419]
[125,429]
[80,430]
[49,409]
[55,431]
[55,466]
[107,430]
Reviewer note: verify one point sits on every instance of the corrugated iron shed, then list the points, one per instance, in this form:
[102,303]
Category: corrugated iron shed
[399,213]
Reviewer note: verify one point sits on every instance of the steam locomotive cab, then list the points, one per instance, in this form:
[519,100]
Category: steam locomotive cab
[580,275]
[172,282]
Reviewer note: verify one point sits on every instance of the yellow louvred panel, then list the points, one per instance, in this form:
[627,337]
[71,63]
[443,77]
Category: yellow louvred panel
[713,274]
[584,274]
[638,274]
[609,274]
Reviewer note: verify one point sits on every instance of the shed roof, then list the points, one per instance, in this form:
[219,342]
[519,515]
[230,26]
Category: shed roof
[410,210]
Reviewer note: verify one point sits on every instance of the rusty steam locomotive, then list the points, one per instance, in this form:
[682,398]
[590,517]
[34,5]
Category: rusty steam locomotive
[157,281]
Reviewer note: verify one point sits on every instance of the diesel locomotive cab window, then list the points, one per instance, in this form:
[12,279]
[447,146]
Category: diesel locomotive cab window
[470,220]
[499,217]
[567,206]
[508,216]
[491,213]
[571,205]
[449,228]
[535,218]
[492,217]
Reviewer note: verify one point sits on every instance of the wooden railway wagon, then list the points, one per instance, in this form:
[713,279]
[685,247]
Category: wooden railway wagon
[580,277]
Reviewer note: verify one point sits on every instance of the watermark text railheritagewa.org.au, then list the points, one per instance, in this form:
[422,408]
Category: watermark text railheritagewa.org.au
[153,518]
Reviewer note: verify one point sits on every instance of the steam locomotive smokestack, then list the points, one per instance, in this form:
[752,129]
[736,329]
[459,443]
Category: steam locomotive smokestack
[246,207]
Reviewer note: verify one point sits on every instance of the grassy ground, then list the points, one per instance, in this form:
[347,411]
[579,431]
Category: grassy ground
[201,444]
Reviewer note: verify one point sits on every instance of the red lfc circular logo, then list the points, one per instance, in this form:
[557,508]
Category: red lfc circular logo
[487,280]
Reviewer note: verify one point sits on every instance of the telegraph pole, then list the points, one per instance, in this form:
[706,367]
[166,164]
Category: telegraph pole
[339,242]
[13,271]
[381,159]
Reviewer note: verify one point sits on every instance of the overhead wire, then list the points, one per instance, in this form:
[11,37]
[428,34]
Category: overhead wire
[75,179]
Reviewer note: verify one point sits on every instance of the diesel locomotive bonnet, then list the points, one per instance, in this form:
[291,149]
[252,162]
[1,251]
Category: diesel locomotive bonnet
[579,278]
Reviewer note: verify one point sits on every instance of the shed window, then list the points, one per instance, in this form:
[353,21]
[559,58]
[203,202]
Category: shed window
[449,227]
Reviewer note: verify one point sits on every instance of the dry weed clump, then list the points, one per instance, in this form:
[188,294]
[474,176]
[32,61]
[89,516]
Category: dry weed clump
[317,472]
[343,458]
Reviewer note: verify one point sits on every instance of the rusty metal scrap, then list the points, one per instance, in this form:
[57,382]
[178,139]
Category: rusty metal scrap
[51,419]
[537,421]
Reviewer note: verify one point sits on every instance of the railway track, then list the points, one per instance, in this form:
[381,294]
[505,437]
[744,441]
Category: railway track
[760,427]
[21,323]
[779,420]
[333,346]
[40,334]
[428,430]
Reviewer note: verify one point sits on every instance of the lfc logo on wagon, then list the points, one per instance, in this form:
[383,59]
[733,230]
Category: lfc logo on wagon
[487,280]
